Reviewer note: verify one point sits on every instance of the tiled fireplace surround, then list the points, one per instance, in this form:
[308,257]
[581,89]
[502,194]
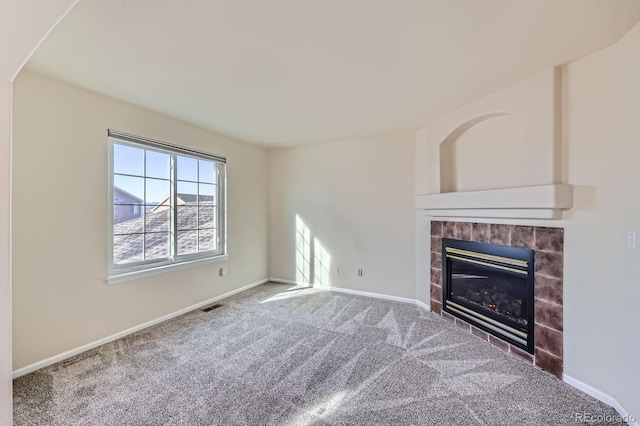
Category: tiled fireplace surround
[548,246]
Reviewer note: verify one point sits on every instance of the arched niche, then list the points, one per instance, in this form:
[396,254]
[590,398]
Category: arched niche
[485,152]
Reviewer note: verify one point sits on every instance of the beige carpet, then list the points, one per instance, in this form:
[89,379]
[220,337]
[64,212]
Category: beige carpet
[278,354]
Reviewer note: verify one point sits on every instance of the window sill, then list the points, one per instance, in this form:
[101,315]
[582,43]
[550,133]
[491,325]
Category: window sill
[122,277]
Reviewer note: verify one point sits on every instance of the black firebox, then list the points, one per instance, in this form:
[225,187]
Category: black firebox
[491,287]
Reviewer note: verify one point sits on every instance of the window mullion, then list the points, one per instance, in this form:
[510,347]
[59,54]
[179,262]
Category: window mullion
[198,209]
[144,210]
[217,207]
[222,212]
[173,210]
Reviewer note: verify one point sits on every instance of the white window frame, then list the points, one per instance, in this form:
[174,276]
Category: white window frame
[134,270]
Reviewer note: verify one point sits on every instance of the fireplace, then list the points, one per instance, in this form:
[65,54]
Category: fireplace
[491,287]
[548,247]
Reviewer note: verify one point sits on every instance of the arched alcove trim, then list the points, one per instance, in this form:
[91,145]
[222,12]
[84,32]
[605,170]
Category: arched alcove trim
[446,146]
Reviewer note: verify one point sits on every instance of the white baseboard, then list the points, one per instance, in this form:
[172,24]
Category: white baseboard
[68,354]
[625,414]
[347,291]
[423,305]
[588,389]
[601,396]
[282,281]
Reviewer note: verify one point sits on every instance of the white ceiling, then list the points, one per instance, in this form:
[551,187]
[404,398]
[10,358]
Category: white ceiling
[288,72]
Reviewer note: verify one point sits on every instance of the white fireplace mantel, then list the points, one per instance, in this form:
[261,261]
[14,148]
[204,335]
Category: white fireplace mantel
[529,202]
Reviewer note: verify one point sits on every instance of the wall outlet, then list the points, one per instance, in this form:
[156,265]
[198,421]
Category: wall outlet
[631,240]
[223,271]
[359,272]
[336,270]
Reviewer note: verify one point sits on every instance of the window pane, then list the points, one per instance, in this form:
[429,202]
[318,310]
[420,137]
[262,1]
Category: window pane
[207,194]
[158,165]
[126,212]
[157,221]
[187,242]
[127,249]
[187,217]
[128,160]
[158,191]
[156,246]
[187,192]
[125,222]
[128,190]
[207,217]
[187,168]
[207,240]
[207,171]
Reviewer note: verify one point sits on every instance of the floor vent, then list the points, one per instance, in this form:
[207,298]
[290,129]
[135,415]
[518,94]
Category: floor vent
[212,307]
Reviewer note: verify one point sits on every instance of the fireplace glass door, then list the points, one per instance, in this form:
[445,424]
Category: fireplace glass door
[491,287]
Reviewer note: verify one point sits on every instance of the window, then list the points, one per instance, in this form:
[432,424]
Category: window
[167,203]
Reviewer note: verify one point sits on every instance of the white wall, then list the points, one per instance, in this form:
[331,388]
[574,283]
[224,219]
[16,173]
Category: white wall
[17,41]
[356,198]
[477,155]
[60,298]
[602,285]
[6,403]
[423,223]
